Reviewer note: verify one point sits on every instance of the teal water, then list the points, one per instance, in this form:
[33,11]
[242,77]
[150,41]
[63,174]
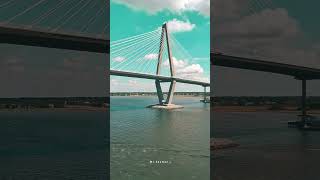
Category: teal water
[268,148]
[53,145]
[140,135]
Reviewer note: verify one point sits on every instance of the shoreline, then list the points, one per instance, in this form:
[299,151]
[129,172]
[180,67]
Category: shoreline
[156,96]
[63,109]
[285,109]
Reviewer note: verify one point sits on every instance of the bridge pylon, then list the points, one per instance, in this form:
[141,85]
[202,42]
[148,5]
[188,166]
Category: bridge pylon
[165,103]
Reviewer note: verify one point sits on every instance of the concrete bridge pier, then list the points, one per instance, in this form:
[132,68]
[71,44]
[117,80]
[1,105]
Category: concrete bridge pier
[165,104]
[205,99]
[302,123]
[304,101]
[306,122]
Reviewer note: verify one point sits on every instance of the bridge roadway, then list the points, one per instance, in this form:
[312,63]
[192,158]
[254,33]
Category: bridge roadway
[20,36]
[298,72]
[157,77]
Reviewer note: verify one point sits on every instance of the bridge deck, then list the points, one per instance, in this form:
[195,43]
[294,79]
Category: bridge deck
[19,36]
[162,78]
[298,72]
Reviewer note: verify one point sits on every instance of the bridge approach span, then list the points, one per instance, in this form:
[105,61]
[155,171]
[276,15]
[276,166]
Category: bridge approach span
[157,77]
[298,72]
[21,36]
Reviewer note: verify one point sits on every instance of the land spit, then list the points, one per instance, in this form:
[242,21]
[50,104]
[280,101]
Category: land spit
[221,143]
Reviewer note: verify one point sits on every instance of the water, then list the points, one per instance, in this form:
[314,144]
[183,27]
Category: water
[268,148]
[53,145]
[140,135]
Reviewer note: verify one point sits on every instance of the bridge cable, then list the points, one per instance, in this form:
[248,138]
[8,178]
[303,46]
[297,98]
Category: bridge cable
[136,41]
[140,41]
[135,52]
[70,17]
[51,11]
[152,50]
[6,3]
[25,11]
[140,61]
[65,14]
[92,20]
[113,43]
[139,50]
[131,46]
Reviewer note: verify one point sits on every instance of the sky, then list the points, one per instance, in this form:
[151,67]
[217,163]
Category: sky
[273,30]
[42,72]
[282,31]
[188,22]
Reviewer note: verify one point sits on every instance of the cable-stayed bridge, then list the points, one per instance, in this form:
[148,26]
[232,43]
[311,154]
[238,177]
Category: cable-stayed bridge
[80,25]
[297,72]
[155,55]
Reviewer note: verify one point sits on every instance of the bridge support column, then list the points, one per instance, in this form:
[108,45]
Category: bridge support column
[205,100]
[305,121]
[165,104]
[171,92]
[159,92]
[303,100]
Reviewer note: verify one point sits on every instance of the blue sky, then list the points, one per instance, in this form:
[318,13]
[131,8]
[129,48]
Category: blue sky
[189,23]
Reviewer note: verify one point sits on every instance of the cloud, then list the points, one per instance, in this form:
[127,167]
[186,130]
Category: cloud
[152,56]
[175,26]
[228,9]
[114,82]
[191,69]
[193,72]
[270,34]
[176,6]
[119,59]
[276,23]
[187,71]
[132,83]
[177,63]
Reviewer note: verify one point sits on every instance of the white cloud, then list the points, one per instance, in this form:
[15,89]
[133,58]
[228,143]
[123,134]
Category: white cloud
[201,6]
[279,38]
[176,63]
[119,59]
[191,69]
[176,6]
[132,83]
[152,56]
[114,82]
[188,71]
[175,26]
